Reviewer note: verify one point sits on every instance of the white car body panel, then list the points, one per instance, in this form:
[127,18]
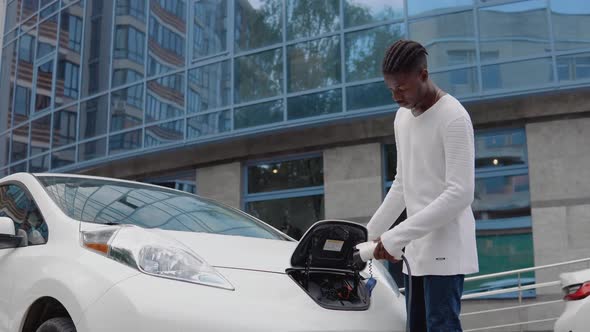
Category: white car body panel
[101,294]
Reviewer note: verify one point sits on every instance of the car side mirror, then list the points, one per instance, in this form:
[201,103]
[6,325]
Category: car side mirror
[8,238]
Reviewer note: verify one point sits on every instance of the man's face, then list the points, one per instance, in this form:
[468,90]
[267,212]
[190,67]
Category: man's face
[407,89]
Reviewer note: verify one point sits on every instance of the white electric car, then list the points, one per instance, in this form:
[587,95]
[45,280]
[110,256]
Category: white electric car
[80,253]
[576,288]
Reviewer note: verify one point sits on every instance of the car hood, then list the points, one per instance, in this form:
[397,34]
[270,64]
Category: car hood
[574,278]
[237,252]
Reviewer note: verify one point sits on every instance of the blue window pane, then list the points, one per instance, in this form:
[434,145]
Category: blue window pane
[502,197]
[93,117]
[71,28]
[125,142]
[48,10]
[449,39]
[258,75]
[164,133]
[313,64]
[24,78]
[47,39]
[284,175]
[127,108]
[209,27]
[97,55]
[165,98]
[498,149]
[573,67]
[359,12]
[571,24]
[4,148]
[166,36]
[209,124]
[209,87]
[130,45]
[517,75]
[65,125]
[134,8]
[364,50]
[7,87]
[20,143]
[12,15]
[39,164]
[63,158]
[458,82]
[315,104]
[259,114]
[429,7]
[92,150]
[307,18]
[67,88]
[356,96]
[43,92]
[40,129]
[257,23]
[503,34]
[22,167]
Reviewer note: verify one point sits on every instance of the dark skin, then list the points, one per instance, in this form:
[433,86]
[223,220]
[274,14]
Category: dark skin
[413,90]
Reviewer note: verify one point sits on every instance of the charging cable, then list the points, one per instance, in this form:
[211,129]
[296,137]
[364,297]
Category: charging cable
[408,293]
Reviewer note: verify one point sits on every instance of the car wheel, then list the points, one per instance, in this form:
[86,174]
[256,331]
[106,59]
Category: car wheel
[60,324]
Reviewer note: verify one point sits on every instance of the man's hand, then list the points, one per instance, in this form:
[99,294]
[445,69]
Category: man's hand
[381,253]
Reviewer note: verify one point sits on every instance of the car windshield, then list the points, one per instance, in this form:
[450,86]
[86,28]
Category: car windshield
[116,202]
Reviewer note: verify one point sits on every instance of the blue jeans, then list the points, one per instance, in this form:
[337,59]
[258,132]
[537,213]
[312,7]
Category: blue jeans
[436,303]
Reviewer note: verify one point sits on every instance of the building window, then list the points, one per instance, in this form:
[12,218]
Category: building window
[287,194]
[129,44]
[135,8]
[166,38]
[70,77]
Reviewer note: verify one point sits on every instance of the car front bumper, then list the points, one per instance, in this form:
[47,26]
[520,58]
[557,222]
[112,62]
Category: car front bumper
[261,302]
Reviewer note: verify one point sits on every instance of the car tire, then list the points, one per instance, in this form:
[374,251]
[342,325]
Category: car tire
[60,324]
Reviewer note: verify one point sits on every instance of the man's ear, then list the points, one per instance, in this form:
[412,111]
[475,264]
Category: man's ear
[424,74]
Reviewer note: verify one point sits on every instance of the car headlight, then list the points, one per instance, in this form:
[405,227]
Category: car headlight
[153,254]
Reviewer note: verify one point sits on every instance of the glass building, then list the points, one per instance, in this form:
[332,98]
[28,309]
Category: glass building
[276,90]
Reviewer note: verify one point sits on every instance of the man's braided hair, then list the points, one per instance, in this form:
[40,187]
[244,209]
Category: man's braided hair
[404,56]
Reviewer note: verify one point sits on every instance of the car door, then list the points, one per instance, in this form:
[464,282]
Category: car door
[17,204]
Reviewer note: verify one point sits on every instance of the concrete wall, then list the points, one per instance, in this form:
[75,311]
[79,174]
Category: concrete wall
[353,182]
[559,158]
[222,183]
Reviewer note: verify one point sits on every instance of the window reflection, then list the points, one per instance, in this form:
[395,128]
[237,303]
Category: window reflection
[125,142]
[24,79]
[67,85]
[314,64]
[92,150]
[43,92]
[98,28]
[258,75]
[573,67]
[12,15]
[47,38]
[209,124]
[500,149]
[209,27]
[93,117]
[29,9]
[127,108]
[20,143]
[356,96]
[458,82]
[257,23]
[307,18]
[571,24]
[4,148]
[209,87]
[502,30]
[259,114]
[315,104]
[292,216]
[63,157]
[65,124]
[517,75]
[40,135]
[129,45]
[502,197]
[164,133]
[7,87]
[359,12]
[165,98]
[39,164]
[449,39]
[429,7]
[283,175]
[166,36]
[365,50]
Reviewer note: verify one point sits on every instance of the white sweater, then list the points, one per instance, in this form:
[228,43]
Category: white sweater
[435,182]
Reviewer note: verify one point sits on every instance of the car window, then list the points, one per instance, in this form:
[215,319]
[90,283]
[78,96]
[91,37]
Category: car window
[16,204]
[108,201]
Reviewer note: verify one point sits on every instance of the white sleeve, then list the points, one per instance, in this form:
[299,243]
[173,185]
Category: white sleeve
[457,195]
[392,206]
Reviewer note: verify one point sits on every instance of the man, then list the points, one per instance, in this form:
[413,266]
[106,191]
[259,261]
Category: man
[435,183]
